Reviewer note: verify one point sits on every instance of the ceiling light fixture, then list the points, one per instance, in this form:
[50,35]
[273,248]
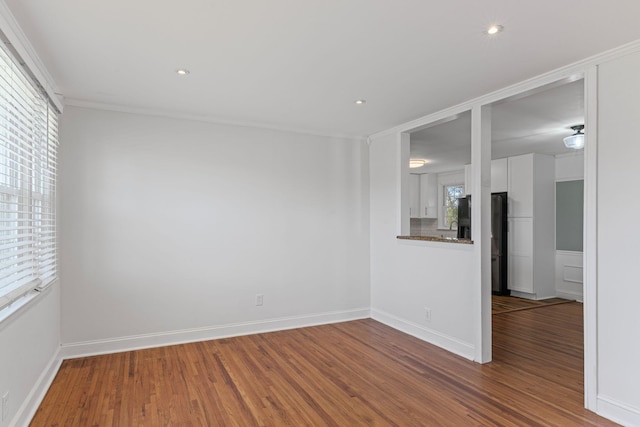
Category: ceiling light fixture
[494,29]
[360,101]
[575,141]
[417,163]
[182,71]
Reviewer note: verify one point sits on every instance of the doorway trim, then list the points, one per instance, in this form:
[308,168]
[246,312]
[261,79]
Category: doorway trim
[589,74]
[590,249]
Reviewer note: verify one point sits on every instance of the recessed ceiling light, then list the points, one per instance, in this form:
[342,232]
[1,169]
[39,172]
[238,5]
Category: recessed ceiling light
[182,71]
[494,29]
[360,101]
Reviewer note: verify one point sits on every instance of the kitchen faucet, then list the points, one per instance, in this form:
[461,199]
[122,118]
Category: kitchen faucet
[451,224]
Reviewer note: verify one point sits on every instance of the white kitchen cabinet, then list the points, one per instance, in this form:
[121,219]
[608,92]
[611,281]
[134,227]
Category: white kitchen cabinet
[423,195]
[531,185]
[499,177]
[521,186]
[520,258]
[428,195]
[414,195]
[468,179]
[531,244]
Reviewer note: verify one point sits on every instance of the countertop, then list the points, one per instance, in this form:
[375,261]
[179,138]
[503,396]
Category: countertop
[438,239]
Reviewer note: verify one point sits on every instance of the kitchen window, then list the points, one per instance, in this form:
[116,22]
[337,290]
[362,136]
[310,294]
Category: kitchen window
[451,194]
[450,189]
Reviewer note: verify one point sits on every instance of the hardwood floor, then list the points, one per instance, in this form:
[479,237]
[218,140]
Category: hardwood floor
[503,304]
[347,374]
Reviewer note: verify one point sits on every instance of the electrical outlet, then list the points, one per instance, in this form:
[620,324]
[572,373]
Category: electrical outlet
[259,299]
[5,406]
[427,314]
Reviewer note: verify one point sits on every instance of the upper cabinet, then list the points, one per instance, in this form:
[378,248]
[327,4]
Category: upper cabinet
[520,186]
[429,195]
[499,177]
[468,180]
[531,183]
[414,195]
[423,195]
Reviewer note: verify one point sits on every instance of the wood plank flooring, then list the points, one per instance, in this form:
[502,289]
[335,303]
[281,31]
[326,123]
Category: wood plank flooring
[503,304]
[359,373]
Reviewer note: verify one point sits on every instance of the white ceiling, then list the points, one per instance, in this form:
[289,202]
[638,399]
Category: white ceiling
[535,123]
[301,64]
[446,146]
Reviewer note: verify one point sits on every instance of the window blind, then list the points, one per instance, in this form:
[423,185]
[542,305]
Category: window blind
[28,149]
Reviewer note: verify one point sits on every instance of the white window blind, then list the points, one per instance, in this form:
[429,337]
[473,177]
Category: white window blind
[28,149]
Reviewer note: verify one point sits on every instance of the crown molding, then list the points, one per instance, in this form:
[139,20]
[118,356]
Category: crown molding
[92,105]
[21,45]
[567,73]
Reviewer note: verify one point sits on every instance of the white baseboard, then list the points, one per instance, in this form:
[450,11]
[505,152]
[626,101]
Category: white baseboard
[569,295]
[446,342]
[618,412]
[31,404]
[524,295]
[137,342]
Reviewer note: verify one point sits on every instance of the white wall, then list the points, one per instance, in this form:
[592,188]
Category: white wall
[618,291]
[570,167]
[409,276]
[171,227]
[30,340]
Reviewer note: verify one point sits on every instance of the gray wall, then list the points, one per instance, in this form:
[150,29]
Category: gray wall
[569,215]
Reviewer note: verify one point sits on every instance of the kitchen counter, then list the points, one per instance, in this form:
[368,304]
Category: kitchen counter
[437,239]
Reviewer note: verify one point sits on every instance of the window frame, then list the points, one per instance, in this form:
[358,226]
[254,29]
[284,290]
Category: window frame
[28,174]
[448,179]
[445,207]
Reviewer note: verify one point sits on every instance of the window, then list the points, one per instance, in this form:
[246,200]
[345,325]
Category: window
[450,196]
[450,189]
[28,149]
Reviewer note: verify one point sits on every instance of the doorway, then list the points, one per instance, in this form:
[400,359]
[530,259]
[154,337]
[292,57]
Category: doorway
[544,261]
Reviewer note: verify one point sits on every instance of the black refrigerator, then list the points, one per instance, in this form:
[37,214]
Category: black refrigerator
[499,229]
